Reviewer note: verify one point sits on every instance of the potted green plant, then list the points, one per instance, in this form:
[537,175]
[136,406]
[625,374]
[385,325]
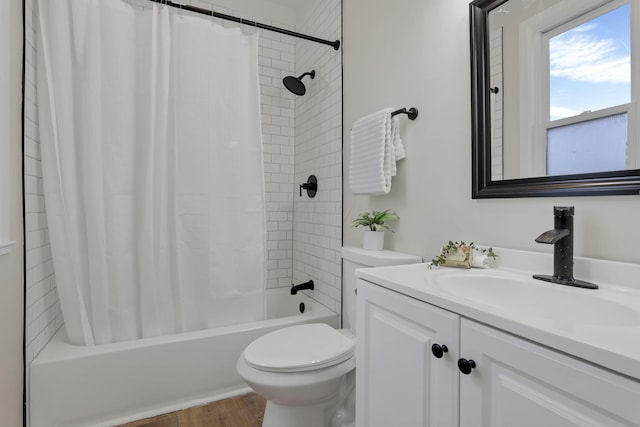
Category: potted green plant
[374,237]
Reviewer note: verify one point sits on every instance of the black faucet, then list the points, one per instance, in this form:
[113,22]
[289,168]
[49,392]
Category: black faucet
[302,286]
[561,237]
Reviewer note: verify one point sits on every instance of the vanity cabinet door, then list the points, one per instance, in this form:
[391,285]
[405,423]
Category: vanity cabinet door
[399,381]
[519,383]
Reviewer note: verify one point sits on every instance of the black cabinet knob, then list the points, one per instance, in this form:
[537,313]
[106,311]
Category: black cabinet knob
[439,350]
[466,366]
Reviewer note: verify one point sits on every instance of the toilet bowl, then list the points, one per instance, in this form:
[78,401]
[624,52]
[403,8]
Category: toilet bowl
[307,372]
[302,373]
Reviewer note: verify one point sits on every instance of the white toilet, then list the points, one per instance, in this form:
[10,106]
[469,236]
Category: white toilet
[307,372]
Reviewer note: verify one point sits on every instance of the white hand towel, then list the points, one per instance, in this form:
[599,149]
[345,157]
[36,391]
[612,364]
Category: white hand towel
[396,140]
[370,164]
[375,148]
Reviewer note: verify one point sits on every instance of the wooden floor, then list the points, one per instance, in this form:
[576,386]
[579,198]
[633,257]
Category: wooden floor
[241,411]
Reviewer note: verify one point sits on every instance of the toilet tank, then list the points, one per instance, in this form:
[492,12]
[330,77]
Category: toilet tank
[354,258]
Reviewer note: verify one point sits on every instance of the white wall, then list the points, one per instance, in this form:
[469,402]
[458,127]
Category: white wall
[11,277]
[416,53]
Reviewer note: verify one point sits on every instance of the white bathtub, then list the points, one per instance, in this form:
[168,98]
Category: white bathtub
[74,386]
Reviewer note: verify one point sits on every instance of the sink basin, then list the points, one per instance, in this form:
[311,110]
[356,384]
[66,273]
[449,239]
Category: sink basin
[533,298]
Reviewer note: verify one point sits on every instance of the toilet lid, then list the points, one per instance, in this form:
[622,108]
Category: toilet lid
[299,348]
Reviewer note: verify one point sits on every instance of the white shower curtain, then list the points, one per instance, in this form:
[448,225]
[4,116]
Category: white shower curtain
[152,170]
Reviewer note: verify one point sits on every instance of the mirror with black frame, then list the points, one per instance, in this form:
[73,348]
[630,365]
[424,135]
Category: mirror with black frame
[554,107]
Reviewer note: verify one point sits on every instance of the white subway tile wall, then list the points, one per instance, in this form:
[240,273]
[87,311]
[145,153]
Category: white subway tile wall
[276,60]
[318,221]
[317,225]
[43,315]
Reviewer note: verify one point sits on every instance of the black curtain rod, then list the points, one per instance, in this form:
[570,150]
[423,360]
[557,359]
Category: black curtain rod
[335,44]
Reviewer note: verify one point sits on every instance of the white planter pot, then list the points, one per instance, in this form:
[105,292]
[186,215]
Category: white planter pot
[373,240]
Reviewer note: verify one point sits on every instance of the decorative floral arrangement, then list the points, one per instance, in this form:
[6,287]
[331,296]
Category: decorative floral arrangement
[375,220]
[460,254]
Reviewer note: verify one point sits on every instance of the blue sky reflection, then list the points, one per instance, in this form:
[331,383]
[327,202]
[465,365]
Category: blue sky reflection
[590,65]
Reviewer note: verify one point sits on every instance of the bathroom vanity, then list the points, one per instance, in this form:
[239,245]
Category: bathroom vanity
[447,347]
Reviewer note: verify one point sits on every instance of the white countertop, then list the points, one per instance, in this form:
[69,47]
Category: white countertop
[600,326]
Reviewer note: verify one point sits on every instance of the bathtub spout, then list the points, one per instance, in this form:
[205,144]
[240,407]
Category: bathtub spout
[302,286]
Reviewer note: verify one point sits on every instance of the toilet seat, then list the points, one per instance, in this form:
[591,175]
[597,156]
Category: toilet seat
[299,348]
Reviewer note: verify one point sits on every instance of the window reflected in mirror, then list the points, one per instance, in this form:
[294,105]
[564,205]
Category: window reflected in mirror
[596,145]
[561,98]
[589,76]
[590,63]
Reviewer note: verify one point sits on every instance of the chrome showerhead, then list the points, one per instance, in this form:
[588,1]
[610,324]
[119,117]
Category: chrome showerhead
[295,85]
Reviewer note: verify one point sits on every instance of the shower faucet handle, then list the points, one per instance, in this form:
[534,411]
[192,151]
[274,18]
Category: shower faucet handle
[307,186]
[311,186]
